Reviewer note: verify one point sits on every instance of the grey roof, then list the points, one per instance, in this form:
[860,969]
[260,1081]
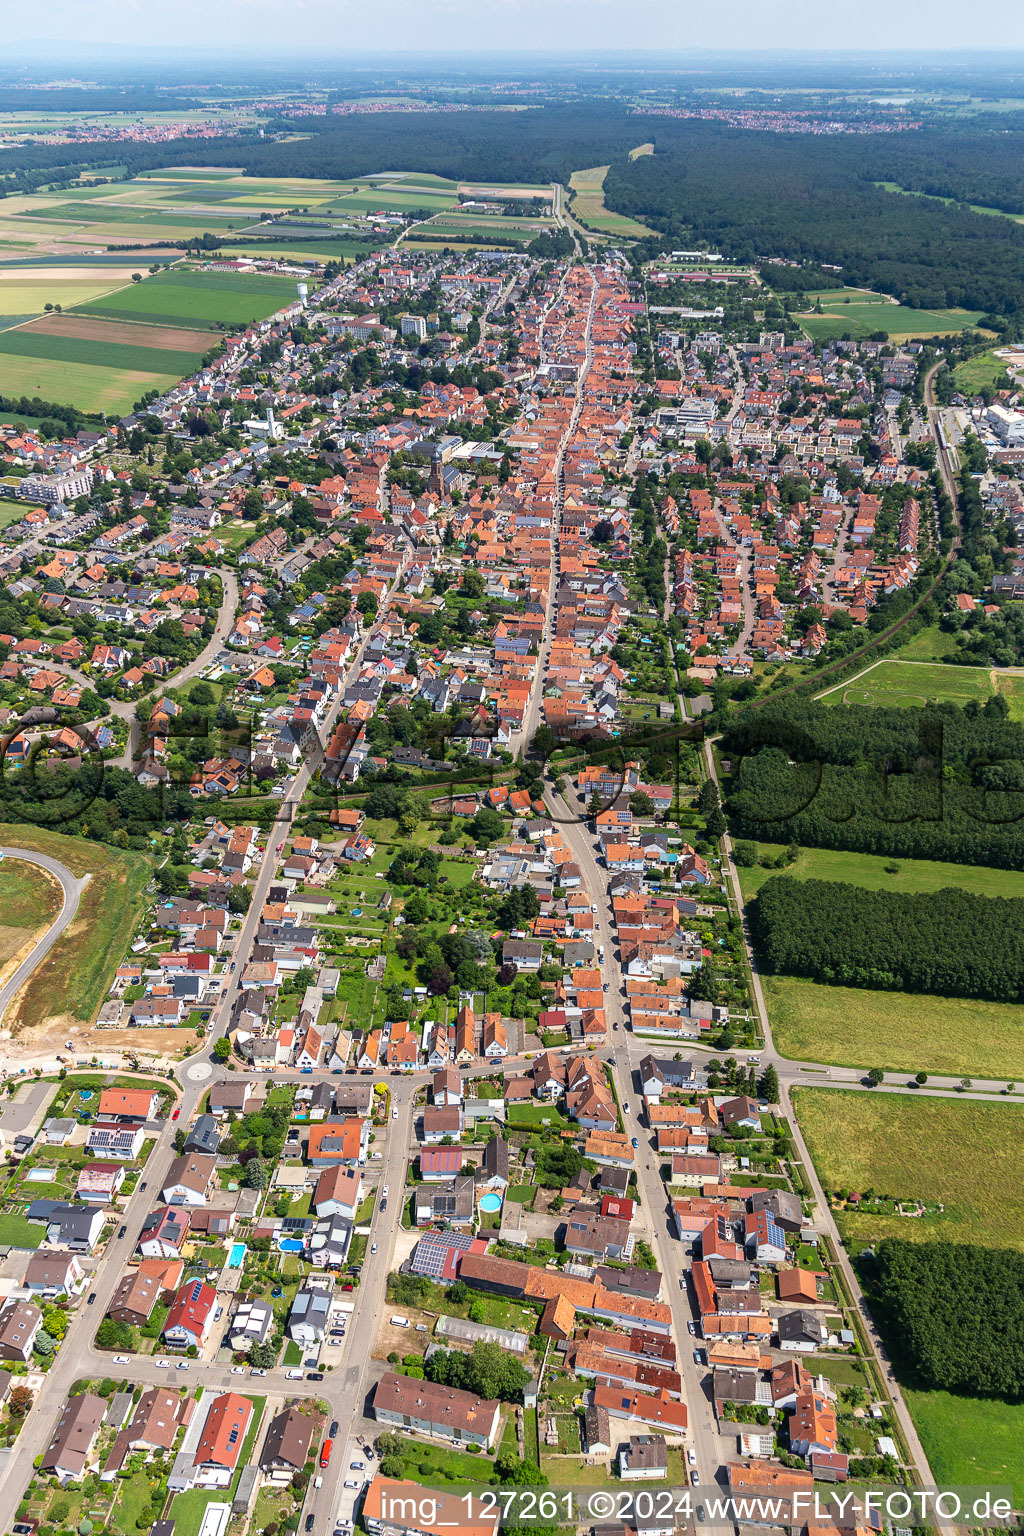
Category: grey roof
[204,1136]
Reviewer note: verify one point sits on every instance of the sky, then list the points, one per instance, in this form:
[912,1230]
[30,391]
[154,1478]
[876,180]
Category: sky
[339,27]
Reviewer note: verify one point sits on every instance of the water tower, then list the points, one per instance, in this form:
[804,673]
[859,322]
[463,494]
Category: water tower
[303,289]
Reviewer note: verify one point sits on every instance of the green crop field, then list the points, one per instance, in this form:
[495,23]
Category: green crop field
[91,389]
[900,1031]
[96,354]
[910,683]
[962,1154]
[192,298]
[869,870]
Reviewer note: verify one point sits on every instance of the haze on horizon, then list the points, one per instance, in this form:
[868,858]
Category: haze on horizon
[323,28]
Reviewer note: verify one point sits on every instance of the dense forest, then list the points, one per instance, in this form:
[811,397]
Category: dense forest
[952,1315]
[751,194]
[810,198]
[935,783]
[949,942]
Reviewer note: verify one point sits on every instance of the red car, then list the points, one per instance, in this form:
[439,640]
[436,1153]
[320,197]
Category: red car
[325,1452]
[177,1112]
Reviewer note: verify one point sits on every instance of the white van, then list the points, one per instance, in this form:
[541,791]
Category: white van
[294,1375]
[399,1322]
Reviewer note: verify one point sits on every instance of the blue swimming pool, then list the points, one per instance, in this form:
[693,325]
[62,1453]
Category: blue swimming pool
[490,1202]
[236,1256]
[290,1244]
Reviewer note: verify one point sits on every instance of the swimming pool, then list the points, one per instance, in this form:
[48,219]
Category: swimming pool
[490,1202]
[236,1256]
[290,1244]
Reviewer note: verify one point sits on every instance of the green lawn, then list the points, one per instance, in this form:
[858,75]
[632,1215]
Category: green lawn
[971,1441]
[29,899]
[18,1232]
[868,870]
[900,1031]
[906,684]
[966,1155]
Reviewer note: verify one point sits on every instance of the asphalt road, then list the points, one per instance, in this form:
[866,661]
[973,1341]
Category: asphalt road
[72,888]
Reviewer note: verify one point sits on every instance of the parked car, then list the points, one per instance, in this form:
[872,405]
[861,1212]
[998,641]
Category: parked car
[123,1230]
[373,1247]
[92,1298]
[635,1143]
[122,1359]
[177,1112]
[314,1375]
[182,1365]
[333,1429]
[238,1370]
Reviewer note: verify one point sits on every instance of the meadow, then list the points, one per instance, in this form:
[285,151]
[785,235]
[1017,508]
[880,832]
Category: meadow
[29,901]
[976,372]
[964,1155]
[909,684]
[851,311]
[72,983]
[899,1031]
[970,1441]
[586,203]
[869,870]
[28,291]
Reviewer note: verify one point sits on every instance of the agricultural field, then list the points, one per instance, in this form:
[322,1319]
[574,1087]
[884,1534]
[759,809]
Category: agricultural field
[106,344]
[870,871]
[859,313]
[900,1147]
[26,290]
[587,204]
[113,390]
[900,1031]
[910,684]
[199,298]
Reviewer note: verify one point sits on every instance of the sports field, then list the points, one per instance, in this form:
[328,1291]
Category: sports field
[966,1155]
[912,684]
[900,1031]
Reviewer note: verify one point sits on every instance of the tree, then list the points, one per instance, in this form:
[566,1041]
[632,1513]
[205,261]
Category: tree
[744,854]
[768,1085]
[239,898]
[366,604]
[876,1076]
[920,1078]
[641,804]
[441,979]
[514,1472]
[544,741]
[473,584]
[389,1443]
[263,1355]
[486,826]
[392,1466]
[222,1048]
[55,1321]
[710,807]
[19,1401]
[257,1174]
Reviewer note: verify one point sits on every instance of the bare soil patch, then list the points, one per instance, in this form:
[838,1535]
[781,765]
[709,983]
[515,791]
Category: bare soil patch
[126,332]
